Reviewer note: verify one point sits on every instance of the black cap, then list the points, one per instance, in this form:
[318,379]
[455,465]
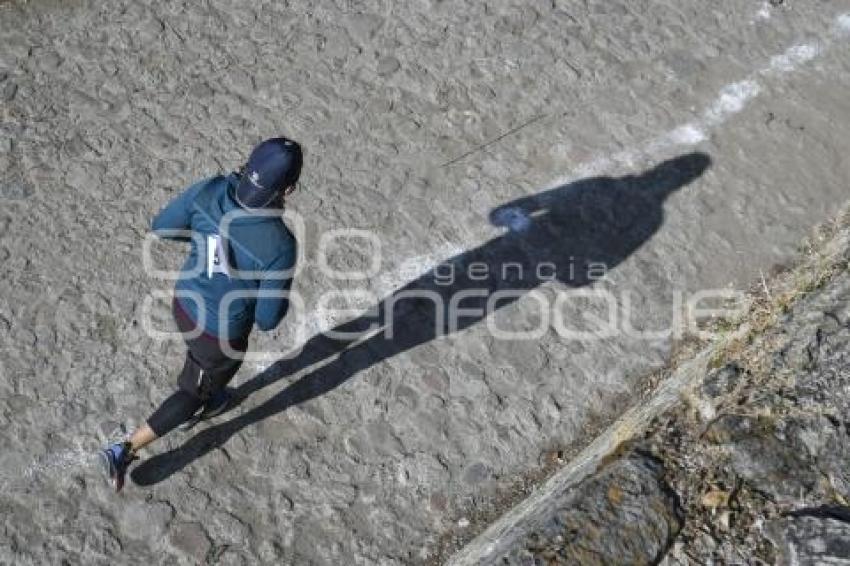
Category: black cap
[273,165]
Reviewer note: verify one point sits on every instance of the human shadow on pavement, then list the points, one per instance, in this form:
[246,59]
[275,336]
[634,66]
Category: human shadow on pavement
[558,234]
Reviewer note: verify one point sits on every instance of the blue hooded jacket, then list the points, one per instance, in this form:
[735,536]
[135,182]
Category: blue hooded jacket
[218,263]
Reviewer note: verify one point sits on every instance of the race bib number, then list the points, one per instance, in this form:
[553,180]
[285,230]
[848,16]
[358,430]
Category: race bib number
[216,257]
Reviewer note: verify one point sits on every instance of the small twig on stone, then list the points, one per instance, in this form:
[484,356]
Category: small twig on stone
[764,284]
[494,140]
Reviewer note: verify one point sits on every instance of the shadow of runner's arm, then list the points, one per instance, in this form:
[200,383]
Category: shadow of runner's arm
[516,215]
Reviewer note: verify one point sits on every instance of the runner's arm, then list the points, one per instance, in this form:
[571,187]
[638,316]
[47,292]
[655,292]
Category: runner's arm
[270,310]
[176,214]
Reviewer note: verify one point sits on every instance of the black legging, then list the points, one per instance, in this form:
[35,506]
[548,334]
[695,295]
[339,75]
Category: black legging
[206,371]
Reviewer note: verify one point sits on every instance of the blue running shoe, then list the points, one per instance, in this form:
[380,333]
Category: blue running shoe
[116,460]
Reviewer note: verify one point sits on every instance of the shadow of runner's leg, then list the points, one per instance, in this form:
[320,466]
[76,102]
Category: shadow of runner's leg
[317,383]
[318,348]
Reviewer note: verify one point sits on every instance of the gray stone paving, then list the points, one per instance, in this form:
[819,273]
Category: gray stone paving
[109,109]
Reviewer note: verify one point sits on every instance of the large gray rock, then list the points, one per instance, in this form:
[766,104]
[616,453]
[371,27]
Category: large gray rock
[626,514]
[784,458]
[811,540]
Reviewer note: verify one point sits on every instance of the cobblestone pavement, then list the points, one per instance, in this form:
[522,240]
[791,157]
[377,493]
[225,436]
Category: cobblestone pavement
[417,120]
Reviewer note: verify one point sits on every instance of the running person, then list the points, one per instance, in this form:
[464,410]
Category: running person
[254,242]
